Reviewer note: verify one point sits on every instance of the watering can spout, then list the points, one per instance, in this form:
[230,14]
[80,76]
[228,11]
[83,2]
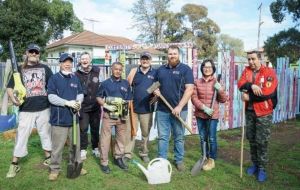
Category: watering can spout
[144,170]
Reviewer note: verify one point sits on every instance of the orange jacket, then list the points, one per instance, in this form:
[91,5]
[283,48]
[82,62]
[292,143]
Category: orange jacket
[267,80]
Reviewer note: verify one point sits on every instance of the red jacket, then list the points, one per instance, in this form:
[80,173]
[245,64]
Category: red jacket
[202,95]
[267,80]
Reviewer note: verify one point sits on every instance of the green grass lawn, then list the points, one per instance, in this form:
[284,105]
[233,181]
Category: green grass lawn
[283,169]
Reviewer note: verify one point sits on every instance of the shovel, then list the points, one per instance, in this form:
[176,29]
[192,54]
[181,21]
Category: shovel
[199,164]
[74,167]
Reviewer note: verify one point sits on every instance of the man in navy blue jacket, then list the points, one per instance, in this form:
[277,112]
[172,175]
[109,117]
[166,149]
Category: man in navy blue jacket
[65,94]
[119,90]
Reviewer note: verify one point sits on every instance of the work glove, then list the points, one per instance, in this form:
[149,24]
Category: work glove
[217,86]
[110,108]
[73,104]
[115,100]
[208,110]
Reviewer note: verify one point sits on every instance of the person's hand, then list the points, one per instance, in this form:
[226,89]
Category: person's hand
[208,110]
[157,92]
[217,86]
[245,97]
[176,111]
[256,90]
[73,104]
[110,108]
[153,99]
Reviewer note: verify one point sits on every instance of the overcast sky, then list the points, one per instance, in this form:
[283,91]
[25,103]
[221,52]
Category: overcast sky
[238,18]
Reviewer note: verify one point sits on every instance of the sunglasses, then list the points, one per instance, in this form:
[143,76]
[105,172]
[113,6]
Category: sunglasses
[34,51]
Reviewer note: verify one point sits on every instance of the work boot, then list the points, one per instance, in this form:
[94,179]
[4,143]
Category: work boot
[83,154]
[145,159]
[105,169]
[261,175]
[119,162]
[96,152]
[210,164]
[53,176]
[180,167]
[252,170]
[13,170]
[83,171]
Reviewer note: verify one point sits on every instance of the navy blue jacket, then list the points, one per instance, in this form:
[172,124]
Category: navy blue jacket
[66,87]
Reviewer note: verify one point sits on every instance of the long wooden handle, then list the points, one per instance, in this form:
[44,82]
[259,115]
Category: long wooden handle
[242,140]
[178,117]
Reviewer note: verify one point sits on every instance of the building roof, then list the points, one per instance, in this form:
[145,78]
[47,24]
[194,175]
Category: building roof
[150,50]
[87,38]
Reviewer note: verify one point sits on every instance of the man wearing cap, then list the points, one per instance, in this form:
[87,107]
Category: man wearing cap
[113,93]
[176,85]
[140,79]
[65,96]
[34,111]
[90,109]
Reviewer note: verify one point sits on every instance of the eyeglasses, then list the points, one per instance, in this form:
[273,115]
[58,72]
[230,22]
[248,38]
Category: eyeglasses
[33,51]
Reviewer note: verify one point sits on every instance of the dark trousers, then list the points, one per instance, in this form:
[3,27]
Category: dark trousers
[91,119]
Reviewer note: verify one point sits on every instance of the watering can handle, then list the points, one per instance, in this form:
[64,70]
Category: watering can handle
[160,159]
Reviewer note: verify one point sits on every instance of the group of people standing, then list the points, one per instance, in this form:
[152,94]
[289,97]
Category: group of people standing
[82,93]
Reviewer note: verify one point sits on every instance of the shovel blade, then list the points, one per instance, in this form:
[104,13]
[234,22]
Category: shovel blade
[198,166]
[73,170]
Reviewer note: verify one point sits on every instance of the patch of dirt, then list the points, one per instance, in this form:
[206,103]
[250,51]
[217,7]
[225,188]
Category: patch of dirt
[286,134]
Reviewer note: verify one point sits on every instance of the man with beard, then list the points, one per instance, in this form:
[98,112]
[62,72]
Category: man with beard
[113,92]
[177,83]
[34,112]
[90,109]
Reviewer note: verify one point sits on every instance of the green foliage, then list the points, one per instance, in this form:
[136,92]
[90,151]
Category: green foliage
[150,18]
[227,42]
[284,43]
[35,21]
[280,8]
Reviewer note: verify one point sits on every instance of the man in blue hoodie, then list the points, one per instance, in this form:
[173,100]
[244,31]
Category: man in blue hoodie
[65,95]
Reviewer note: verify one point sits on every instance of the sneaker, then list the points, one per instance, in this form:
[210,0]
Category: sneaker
[83,172]
[262,175]
[210,164]
[96,152]
[83,154]
[53,176]
[252,170]
[180,167]
[13,170]
[47,161]
[105,169]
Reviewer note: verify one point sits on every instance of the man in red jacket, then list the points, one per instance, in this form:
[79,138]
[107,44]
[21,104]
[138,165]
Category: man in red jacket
[259,86]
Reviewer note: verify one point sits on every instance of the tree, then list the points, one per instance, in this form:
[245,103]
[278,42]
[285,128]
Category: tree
[192,24]
[35,21]
[150,19]
[227,42]
[280,8]
[285,43]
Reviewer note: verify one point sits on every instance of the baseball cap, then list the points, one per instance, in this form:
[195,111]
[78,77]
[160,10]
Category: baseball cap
[33,47]
[63,57]
[146,54]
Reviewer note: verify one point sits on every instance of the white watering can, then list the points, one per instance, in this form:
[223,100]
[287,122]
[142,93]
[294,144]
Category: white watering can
[159,171]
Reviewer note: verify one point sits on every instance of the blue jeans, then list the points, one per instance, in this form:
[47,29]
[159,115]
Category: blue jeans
[167,123]
[211,148]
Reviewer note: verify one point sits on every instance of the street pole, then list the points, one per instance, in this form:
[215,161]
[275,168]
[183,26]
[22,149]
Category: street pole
[259,25]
